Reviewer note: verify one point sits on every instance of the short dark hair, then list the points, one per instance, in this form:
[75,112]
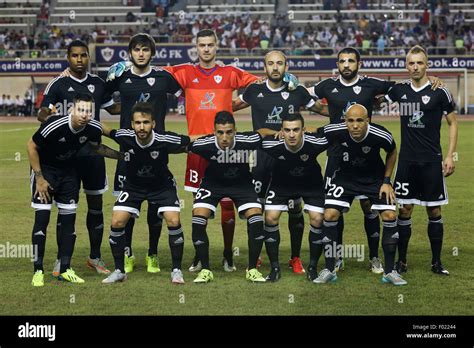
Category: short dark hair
[349,50]
[292,117]
[206,33]
[142,39]
[77,43]
[82,97]
[143,108]
[224,117]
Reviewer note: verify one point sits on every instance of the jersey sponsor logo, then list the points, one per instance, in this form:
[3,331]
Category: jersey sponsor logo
[208,103]
[151,81]
[145,172]
[304,157]
[70,89]
[218,78]
[415,121]
[128,81]
[196,80]
[260,95]
[285,95]
[366,149]
[334,90]
[144,97]
[62,140]
[425,99]
[297,171]
[82,139]
[274,117]
[91,88]
[357,89]
[107,53]
[154,154]
[231,173]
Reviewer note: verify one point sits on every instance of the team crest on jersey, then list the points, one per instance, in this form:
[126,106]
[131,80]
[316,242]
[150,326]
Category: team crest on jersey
[154,154]
[82,140]
[366,149]
[285,95]
[91,88]
[107,53]
[151,81]
[357,89]
[425,99]
[218,78]
[304,157]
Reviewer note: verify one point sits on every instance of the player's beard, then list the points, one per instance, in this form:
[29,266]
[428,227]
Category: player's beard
[140,66]
[350,76]
[274,79]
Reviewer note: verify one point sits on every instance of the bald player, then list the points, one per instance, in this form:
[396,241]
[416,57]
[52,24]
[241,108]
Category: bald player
[361,172]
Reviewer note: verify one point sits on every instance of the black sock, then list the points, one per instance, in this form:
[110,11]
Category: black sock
[201,240]
[435,233]
[272,244]
[154,229]
[340,230]
[68,237]
[390,239]
[117,244]
[372,229]
[229,256]
[38,237]
[176,242]
[95,226]
[128,236]
[58,236]
[404,232]
[315,245]
[330,233]
[296,228]
[256,237]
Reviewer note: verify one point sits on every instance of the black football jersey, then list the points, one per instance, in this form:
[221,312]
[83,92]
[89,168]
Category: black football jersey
[299,167]
[421,111]
[147,165]
[58,143]
[340,95]
[361,161]
[150,87]
[269,104]
[229,166]
[61,90]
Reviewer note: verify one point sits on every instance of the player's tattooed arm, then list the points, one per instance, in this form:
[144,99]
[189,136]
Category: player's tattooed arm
[42,186]
[238,104]
[320,108]
[448,163]
[105,151]
[114,109]
[386,189]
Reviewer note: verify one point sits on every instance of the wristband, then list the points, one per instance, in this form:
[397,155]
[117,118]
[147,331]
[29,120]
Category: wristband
[387,180]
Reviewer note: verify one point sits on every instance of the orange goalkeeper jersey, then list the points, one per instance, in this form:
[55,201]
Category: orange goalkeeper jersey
[208,91]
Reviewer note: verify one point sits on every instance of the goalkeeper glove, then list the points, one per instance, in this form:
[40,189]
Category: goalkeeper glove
[117,69]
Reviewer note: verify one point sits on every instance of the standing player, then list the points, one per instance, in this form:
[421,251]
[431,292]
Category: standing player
[421,170]
[52,153]
[208,88]
[227,175]
[58,97]
[361,172]
[148,178]
[269,101]
[140,82]
[296,175]
[340,92]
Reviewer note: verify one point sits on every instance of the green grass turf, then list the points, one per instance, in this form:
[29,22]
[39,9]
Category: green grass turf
[356,292]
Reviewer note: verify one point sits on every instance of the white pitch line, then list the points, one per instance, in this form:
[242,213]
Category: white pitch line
[15,129]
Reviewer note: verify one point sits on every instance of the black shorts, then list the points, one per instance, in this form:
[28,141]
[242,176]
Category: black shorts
[131,198]
[262,173]
[91,171]
[120,176]
[65,193]
[342,192]
[420,183]
[283,198]
[210,193]
[332,163]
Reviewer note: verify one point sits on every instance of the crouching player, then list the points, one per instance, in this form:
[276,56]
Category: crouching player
[52,152]
[148,178]
[296,176]
[227,175]
[361,172]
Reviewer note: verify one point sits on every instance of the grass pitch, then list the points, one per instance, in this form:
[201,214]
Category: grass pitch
[357,291]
